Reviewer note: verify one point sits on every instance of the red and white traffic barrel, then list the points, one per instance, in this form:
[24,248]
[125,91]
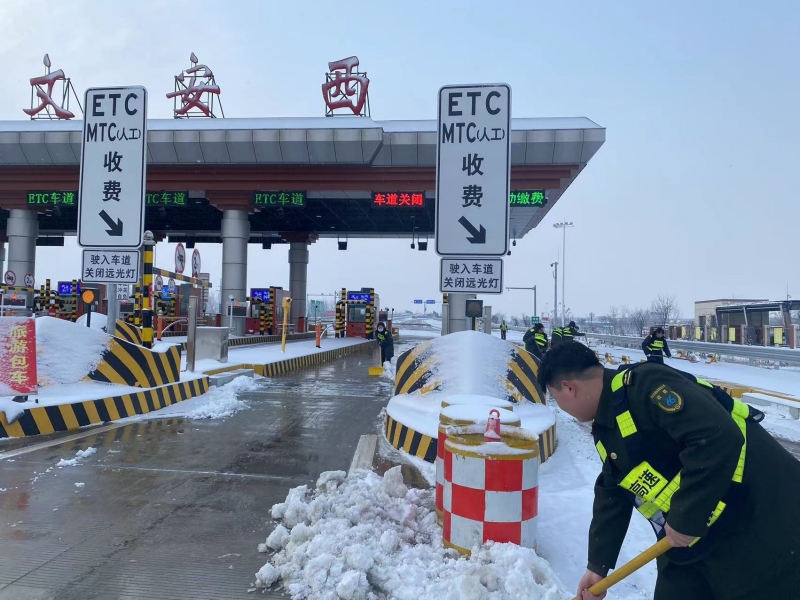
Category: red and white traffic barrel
[491,489]
[465,415]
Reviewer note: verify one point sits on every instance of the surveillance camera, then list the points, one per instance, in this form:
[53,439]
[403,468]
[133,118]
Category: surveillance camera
[509,253]
[230,298]
[514,243]
[412,245]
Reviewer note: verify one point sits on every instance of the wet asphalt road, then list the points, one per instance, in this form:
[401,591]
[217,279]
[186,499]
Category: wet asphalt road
[172,508]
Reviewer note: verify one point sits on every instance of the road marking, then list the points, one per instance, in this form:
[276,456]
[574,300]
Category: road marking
[58,442]
[362,459]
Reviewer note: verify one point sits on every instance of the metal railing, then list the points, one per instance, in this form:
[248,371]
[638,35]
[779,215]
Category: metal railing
[752,353]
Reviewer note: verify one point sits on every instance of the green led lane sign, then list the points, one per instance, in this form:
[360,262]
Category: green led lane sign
[52,198]
[166,198]
[398,199]
[527,198]
[280,199]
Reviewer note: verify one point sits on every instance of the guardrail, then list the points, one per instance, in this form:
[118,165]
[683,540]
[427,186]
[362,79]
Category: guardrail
[753,353]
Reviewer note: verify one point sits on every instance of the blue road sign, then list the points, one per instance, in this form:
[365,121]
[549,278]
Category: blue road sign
[430,301]
[417,301]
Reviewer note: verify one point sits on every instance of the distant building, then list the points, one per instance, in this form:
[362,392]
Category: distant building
[705,311]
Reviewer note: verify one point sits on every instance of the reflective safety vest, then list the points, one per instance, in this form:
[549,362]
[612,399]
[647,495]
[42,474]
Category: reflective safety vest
[557,333]
[381,337]
[568,334]
[541,340]
[657,477]
[657,347]
[503,326]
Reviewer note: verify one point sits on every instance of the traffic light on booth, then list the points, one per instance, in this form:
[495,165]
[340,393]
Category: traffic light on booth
[474,309]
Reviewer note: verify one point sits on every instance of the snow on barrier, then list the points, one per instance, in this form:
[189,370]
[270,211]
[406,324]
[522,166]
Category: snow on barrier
[65,417]
[491,489]
[488,370]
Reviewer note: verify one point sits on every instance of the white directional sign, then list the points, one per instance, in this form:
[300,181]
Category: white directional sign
[110,266]
[472,275]
[180,258]
[473,169]
[196,263]
[113,168]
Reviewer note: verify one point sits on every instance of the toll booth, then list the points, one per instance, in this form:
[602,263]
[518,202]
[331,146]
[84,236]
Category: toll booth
[359,309]
[265,313]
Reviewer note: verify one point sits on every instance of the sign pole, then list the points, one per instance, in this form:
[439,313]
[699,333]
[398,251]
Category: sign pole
[113,309]
[147,309]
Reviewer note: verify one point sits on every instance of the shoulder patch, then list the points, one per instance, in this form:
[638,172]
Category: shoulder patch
[667,399]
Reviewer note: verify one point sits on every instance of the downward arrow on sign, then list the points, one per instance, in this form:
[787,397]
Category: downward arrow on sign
[115,229]
[478,237]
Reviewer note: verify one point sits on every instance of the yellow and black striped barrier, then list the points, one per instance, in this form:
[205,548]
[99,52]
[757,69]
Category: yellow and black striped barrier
[416,373]
[129,333]
[293,364]
[128,364]
[66,417]
[413,442]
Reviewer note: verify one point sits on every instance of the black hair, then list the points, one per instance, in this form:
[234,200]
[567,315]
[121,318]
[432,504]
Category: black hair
[572,324]
[538,326]
[658,330]
[566,361]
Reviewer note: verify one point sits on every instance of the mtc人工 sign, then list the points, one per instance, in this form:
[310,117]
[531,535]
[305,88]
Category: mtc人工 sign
[527,198]
[280,199]
[398,199]
[52,198]
[166,198]
[18,356]
[113,168]
[472,275]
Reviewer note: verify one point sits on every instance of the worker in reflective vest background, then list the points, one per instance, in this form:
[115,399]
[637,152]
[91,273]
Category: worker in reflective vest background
[697,465]
[555,338]
[386,342]
[503,329]
[570,332]
[655,346]
[535,340]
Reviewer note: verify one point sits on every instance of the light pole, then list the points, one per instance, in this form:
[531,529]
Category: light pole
[555,297]
[535,314]
[563,227]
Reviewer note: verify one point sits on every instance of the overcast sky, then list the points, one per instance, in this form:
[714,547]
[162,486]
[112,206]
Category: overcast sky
[694,192]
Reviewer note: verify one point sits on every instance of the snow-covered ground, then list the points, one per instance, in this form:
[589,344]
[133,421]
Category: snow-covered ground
[217,403]
[367,534]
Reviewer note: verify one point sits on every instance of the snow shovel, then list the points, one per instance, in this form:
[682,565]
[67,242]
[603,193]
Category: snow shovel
[637,563]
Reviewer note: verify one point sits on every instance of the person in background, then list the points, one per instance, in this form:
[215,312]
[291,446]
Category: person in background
[503,329]
[655,346]
[386,343]
[570,332]
[556,339]
[536,341]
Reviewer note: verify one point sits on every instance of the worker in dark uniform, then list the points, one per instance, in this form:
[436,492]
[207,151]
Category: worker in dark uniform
[570,332]
[386,342]
[503,329]
[697,465]
[536,340]
[556,339]
[655,346]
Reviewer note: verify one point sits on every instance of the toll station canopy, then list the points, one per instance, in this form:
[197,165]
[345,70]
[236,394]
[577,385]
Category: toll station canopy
[326,176]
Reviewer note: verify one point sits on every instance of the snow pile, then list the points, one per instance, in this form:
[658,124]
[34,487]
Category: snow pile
[218,403]
[470,362]
[72,462]
[66,352]
[366,536]
[99,322]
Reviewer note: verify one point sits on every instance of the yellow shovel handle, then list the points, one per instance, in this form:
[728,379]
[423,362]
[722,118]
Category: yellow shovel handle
[618,575]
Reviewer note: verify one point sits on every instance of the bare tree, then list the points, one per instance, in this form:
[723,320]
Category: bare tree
[613,319]
[514,320]
[664,309]
[498,317]
[526,320]
[639,318]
